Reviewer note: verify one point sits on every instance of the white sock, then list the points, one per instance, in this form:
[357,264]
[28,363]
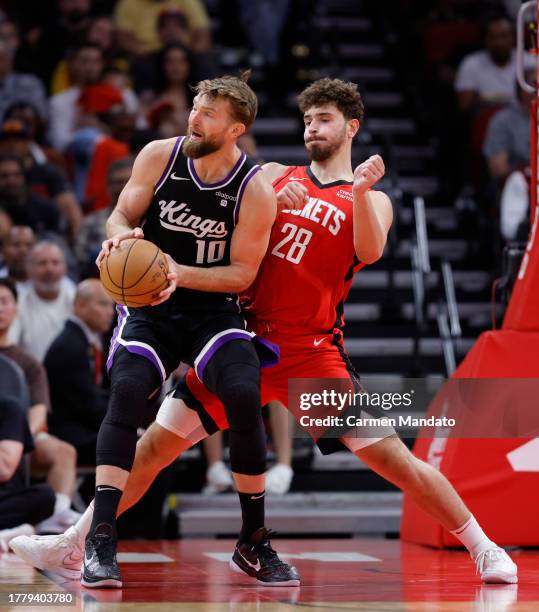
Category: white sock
[473,537]
[63,502]
[82,526]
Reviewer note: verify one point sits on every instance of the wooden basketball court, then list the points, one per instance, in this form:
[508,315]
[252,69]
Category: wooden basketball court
[359,574]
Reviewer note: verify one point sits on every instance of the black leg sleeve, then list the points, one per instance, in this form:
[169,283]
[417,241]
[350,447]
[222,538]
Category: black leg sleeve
[134,379]
[233,374]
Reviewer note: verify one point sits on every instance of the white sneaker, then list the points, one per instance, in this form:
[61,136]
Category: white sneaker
[6,535]
[59,522]
[218,479]
[61,554]
[495,565]
[279,479]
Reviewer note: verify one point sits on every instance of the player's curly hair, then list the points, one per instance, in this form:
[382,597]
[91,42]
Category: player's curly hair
[235,89]
[344,94]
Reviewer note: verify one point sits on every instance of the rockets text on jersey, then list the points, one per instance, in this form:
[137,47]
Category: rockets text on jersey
[308,268]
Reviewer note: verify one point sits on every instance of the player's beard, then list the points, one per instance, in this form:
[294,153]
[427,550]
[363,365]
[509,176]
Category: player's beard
[203,147]
[322,150]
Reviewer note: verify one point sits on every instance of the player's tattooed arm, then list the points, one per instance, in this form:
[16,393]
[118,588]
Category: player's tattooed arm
[136,196]
[249,243]
[373,212]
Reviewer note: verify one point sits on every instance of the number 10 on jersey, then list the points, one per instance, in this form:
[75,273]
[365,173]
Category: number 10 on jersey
[210,251]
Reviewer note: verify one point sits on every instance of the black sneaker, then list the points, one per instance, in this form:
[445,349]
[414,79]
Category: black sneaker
[100,567]
[257,558]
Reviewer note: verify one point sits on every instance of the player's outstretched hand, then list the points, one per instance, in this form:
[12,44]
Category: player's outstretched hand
[111,243]
[368,174]
[293,196]
[172,278]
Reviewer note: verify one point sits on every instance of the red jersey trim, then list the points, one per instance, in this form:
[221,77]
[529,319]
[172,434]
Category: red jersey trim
[284,176]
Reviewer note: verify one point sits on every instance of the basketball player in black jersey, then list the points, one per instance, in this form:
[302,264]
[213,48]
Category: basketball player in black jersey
[206,205]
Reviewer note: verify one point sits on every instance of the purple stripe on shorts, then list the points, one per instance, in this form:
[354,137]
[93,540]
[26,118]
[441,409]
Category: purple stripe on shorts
[114,344]
[243,185]
[179,140]
[201,183]
[144,352]
[235,335]
[269,353]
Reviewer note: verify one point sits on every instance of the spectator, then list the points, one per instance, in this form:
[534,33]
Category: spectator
[173,96]
[93,230]
[41,152]
[172,29]
[279,476]
[100,32]
[118,126]
[17,87]
[136,21]
[163,121]
[263,21]
[6,223]
[515,206]
[95,102]
[15,249]
[43,178]
[121,80]
[51,457]
[115,69]
[45,305]
[507,143]
[24,207]
[218,476]
[64,31]
[9,33]
[488,76]
[21,506]
[86,64]
[74,364]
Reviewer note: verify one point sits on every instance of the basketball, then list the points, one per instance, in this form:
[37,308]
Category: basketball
[134,273]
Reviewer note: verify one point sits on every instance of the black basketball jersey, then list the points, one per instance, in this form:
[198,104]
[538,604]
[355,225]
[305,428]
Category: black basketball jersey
[193,221]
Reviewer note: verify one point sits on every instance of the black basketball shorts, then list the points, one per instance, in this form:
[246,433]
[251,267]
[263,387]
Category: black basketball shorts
[192,337]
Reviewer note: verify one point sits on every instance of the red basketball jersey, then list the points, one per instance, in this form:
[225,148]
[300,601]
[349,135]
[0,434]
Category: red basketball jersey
[307,271]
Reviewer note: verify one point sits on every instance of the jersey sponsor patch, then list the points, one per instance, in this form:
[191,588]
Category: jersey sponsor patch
[347,195]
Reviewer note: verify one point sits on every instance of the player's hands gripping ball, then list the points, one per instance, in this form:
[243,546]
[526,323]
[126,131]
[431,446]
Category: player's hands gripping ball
[114,243]
[137,273]
[172,278]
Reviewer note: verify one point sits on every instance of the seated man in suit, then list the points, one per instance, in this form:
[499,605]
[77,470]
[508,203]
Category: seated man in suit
[74,364]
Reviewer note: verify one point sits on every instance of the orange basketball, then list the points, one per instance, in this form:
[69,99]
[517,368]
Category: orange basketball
[134,273]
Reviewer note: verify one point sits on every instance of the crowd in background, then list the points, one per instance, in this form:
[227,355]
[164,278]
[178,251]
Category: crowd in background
[461,65]
[85,85]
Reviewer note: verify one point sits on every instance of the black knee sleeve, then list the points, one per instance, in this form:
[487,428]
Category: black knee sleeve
[233,374]
[134,379]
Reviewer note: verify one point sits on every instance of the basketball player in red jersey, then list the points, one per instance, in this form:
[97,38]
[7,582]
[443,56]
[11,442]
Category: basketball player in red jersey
[331,224]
